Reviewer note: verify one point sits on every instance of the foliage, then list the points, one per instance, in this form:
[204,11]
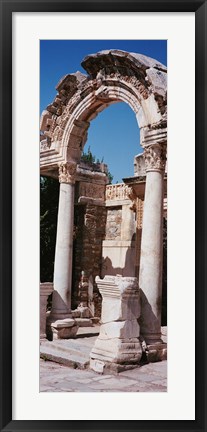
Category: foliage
[110,177]
[89,157]
[49,196]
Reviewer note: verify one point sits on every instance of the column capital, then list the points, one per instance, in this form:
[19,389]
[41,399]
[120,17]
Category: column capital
[155,157]
[67,172]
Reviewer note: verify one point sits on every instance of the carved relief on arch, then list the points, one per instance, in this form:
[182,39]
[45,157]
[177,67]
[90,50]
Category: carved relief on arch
[112,75]
[103,95]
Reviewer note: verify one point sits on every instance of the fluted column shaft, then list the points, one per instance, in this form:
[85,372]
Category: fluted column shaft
[150,276]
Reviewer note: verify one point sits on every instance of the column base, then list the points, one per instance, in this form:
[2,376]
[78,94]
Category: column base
[53,317]
[156,352]
[64,329]
[107,367]
[115,355]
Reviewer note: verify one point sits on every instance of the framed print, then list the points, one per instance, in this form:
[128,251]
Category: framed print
[40,42]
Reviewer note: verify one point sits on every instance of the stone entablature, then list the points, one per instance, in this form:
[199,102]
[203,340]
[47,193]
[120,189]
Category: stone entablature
[91,190]
[91,180]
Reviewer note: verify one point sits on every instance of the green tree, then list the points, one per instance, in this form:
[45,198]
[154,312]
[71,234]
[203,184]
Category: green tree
[49,197]
[90,158]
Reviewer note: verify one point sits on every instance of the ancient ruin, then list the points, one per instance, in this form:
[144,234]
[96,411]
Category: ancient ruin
[108,258]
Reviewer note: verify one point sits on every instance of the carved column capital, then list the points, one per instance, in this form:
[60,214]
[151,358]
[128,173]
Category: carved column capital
[67,172]
[155,157]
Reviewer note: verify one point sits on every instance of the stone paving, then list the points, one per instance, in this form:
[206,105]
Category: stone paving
[151,377]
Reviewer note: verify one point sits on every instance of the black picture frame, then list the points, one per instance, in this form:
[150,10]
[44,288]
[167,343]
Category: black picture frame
[7,8]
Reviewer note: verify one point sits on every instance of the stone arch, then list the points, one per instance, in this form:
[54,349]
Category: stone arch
[113,76]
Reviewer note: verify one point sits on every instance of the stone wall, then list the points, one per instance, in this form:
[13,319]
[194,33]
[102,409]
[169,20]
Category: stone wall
[113,223]
[90,223]
[119,242]
[119,245]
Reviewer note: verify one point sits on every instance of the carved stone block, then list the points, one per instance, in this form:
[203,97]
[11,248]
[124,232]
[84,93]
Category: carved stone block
[64,329]
[117,343]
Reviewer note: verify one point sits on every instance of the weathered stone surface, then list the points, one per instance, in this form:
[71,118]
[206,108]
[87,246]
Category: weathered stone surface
[118,340]
[97,365]
[90,230]
[158,79]
[127,351]
[120,309]
[68,322]
[64,332]
[113,223]
[64,329]
[118,258]
[84,311]
[139,165]
[83,322]
[120,329]
[156,352]
[140,60]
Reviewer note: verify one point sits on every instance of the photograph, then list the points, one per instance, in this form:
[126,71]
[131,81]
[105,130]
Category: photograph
[103,220]
[103,215]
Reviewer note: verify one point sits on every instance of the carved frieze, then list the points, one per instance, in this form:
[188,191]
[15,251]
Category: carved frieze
[155,157]
[91,190]
[119,191]
[139,212]
[92,85]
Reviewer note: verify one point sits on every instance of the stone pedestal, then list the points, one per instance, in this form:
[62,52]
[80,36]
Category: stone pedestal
[150,276]
[46,289]
[117,346]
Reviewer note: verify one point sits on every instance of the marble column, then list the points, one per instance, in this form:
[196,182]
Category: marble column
[61,304]
[150,275]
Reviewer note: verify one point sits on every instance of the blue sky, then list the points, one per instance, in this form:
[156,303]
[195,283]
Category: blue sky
[114,133]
